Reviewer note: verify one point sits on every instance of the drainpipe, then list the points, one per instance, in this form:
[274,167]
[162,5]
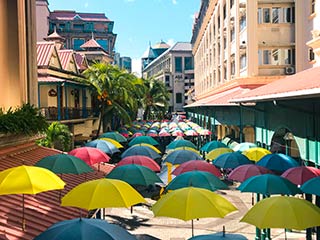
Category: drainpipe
[59,101]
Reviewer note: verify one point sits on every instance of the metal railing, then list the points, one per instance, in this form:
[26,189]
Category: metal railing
[68,113]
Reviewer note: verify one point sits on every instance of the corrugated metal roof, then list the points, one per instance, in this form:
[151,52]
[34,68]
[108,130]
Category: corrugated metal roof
[44,53]
[91,44]
[65,56]
[41,210]
[71,15]
[51,79]
[302,84]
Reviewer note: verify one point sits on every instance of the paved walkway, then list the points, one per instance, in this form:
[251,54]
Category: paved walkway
[145,226]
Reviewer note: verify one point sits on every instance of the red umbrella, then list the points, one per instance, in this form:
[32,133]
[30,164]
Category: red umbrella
[196,165]
[90,155]
[140,160]
[245,171]
[299,175]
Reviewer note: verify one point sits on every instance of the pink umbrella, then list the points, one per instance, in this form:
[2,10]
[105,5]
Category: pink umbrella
[164,134]
[196,165]
[245,171]
[90,155]
[140,160]
[299,175]
[177,133]
[137,134]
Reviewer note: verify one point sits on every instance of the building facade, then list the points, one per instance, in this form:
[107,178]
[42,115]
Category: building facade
[152,53]
[126,63]
[175,68]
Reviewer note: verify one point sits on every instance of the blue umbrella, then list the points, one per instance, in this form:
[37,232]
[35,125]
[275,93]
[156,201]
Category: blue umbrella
[231,160]
[220,236]
[277,162]
[209,146]
[181,156]
[140,150]
[83,228]
[268,184]
[104,146]
[311,186]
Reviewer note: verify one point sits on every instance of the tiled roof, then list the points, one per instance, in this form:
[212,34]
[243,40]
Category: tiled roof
[54,36]
[41,210]
[302,84]
[80,61]
[44,53]
[181,46]
[91,44]
[71,15]
[65,56]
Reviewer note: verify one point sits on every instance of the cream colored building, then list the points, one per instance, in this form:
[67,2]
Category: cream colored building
[18,72]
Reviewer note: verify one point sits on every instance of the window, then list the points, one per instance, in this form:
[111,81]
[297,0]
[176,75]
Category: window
[178,97]
[188,63]
[280,56]
[243,22]
[311,55]
[279,15]
[232,34]
[103,43]
[78,27]
[243,61]
[313,8]
[266,15]
[167,81]
[178,64]
[77,42]
[275,15]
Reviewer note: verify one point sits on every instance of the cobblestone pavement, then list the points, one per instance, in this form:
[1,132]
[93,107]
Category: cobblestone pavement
[144,225]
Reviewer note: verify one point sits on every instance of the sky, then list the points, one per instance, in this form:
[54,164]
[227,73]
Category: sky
[138,23]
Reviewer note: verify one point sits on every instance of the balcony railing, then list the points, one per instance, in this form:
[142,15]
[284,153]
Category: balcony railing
[68,113]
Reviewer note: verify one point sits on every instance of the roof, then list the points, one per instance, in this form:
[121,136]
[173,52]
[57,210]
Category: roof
[149,53]
[181,46]
[44,52]
[54,36]
[80,61]
[302,84]
[41,210]
[91,44]
[65,56]
[161,45]
[72,15]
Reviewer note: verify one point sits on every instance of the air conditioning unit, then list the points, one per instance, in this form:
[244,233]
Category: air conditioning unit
[289,70]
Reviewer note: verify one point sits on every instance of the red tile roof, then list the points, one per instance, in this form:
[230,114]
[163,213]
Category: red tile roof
[91,44]
[41,210]
[44,53]
[70,15]
[302,84]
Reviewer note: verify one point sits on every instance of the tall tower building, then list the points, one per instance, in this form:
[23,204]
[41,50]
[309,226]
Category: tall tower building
[42,15]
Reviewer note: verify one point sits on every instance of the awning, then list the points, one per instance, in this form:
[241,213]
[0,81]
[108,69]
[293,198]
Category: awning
[53,80]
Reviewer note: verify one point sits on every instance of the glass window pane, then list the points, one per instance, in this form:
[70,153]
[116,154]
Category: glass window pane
[77,42]
[103,43]
[178,97]
[275,15]
[178,64]
[266,15]
[188,63]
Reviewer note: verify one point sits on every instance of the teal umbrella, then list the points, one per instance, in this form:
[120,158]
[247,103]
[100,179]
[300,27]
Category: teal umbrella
[277,162]
[197,179]
[311,186]
[64,164]
[268,184]
[219,236]
[181,143]
[181,156]
[143,139]
[115,136]
[140,150]
[231,160]
[104,146]
[134,174]
[209,146]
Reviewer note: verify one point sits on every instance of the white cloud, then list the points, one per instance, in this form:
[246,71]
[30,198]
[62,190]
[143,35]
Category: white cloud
[171,42]
[175,2]
[136,66]
[86,4]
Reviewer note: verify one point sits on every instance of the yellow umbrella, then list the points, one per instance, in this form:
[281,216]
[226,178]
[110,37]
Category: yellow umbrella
[28,180]
[184,148]
[217,152]
[148,145]
[191,203]
[256,153]
[283,212]
[114,142]
[102,193]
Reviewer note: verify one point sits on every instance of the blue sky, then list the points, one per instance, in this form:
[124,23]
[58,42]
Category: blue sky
[138,22]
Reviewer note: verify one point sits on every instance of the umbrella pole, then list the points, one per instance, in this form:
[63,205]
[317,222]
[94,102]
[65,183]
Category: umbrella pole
[23,220]
[285,234]
[258,231]
[192,227]
[318,228]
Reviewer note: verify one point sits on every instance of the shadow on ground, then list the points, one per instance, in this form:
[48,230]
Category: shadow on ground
[129,224]
[146,237]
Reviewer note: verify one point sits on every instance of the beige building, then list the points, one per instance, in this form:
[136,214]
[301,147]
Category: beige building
[18,72]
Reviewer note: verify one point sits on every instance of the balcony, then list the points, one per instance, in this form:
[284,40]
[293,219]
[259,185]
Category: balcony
[68,113]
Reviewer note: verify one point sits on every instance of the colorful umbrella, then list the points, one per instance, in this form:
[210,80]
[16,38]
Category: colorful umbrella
[219,236]
[64,164]
[90,155]
[134,175]
[181,156]
[197,179]
[213,154]
[143,139]
[181,143]
[140,150]
[83,228]
[196,165]
[312,186]
[246,171]
[114,142]
[209,146]
[102,193]
[256,153]
[283,212]
[140,160]
[150,146]
[184,148]
[105,146]
[300,175]
[231,160]
[28,180]
[243,146]
[115,136]
[277,162]
[268,184]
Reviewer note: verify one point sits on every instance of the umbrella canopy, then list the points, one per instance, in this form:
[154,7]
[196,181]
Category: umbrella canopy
[134,175]
[312,186]
[183,148]
[181,156]
[115,136]
[277,162]
[181,143]
[90,155]
[246,171]
[231,160]
[196,165]
[191,203]
[209,146]
[300,175]
[150,146]
[83,228]
[114,142]
[283,212]
[243,146]
[213,154]
[256,153]
[197,179]
[104,146]
[269,184]
[140,150]
[64,164]
[143,139]
[102,193]
[219,236]
[140,160]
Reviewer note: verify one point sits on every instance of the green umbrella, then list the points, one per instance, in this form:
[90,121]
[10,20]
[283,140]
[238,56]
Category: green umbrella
[64,164]
[143,139]
[135,175]
[114,135]
[181,143]
[209,146]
